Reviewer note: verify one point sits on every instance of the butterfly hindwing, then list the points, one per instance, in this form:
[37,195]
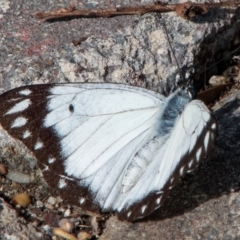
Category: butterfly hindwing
[189,143]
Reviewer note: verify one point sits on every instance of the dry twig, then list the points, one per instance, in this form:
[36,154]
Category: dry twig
[186,10]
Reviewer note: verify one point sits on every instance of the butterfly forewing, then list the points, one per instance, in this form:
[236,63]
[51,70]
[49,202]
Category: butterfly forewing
[83,135]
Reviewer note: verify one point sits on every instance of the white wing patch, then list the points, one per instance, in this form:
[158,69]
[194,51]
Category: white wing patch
[39,144]
[81,201]
[19,107]
[62,183]
[25,92]
[51,160]
[26,134]
[143,208]
[19,122]
[158,200]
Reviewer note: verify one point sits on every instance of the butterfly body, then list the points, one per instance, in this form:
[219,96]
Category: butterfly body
[110,147]
[172,108]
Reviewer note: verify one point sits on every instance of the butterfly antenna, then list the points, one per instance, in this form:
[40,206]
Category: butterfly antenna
[172,50]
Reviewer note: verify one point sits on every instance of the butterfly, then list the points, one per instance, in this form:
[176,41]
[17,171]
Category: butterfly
[110,147]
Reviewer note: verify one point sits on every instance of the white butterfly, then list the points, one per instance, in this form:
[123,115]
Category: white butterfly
[110,147]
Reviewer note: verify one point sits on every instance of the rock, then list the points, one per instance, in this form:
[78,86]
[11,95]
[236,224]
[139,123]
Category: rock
[52,200]
[66,225]
[67,213]
[132,50]
[22,199]
[13,226]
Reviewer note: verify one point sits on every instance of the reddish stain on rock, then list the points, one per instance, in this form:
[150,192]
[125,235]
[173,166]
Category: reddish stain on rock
[35,49]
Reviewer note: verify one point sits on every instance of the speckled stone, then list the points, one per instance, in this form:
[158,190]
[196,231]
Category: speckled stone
[132,50]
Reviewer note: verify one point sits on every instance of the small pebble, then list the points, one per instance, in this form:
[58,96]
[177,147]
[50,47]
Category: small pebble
[59,232]
[66,225]
[39,203]
[22,200]
[52,200]
[59,200]
[67,213]
[49,206]
[84,236]
[20,177]
[61,209]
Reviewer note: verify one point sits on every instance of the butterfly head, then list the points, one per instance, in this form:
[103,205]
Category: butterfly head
[184,82]
[190,90]
[187,88]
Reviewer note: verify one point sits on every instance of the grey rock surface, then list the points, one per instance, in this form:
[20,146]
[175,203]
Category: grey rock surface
[14,227]
[132,50]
